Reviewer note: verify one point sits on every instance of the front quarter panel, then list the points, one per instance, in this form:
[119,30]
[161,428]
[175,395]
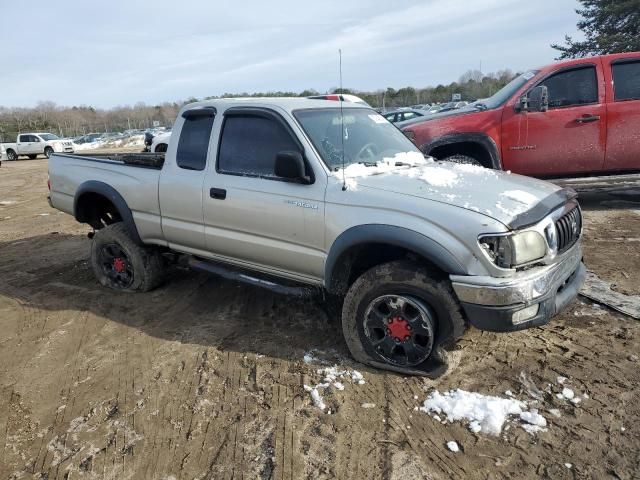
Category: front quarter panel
[451,230]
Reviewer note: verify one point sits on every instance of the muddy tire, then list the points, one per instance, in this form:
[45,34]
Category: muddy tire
[399,316]
[121,264]
[462,159]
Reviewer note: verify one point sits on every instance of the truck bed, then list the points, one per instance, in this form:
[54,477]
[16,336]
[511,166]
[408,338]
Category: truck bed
[144,160]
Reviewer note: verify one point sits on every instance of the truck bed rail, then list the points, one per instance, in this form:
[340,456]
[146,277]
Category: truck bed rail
[145,160]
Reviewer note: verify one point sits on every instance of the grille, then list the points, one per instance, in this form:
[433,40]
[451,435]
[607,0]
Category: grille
[568,228]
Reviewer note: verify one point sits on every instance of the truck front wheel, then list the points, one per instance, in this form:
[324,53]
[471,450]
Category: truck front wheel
[399,315]
[121,264]
[48,151]
[458,158]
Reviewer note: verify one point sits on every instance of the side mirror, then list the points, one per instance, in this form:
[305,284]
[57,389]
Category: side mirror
[290,165]
[537,100]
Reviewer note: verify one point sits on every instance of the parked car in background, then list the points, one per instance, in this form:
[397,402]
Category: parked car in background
[344,97]
[159,143]
[572,117]
[88,138]
[33,144]
[452,106]
[404,114]
[272,192]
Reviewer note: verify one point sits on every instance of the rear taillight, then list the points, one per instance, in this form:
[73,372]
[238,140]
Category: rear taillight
[49,183]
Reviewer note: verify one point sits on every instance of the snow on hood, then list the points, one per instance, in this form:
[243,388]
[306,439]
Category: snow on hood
[500,195]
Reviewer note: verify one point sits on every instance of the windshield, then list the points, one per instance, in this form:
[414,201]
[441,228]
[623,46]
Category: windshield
[49,136]
[368,137]
[505,93]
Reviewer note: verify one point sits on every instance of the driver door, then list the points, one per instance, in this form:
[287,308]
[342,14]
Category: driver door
[569,137]
[253,217]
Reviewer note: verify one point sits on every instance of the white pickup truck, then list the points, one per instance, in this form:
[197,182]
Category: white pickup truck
[299,195]
[33,144]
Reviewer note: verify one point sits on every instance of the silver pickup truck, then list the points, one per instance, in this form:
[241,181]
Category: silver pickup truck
[300,195]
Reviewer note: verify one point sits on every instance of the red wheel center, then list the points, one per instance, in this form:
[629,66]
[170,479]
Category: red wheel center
[399,329]
[119,264]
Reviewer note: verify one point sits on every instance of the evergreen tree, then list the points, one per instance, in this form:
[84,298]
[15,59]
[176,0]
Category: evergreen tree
[609,26]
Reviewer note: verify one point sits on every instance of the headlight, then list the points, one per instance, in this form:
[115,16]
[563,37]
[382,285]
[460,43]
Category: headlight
[509,251]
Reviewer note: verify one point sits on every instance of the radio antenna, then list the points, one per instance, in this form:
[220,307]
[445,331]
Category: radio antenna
[344,181]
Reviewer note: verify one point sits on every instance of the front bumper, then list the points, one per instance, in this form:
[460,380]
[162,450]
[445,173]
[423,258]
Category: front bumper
[492,303]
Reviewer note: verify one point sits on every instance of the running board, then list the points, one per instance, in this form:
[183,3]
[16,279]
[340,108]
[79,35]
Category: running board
[600,182]
[252,278]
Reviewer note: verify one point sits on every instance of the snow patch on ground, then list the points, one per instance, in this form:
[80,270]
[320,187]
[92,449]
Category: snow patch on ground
[332,378]
[484,413]
[453,446]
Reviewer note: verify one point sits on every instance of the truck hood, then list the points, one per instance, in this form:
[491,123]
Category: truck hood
[514,200]
[466,110]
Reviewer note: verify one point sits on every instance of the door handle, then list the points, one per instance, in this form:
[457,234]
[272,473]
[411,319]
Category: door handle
[218,193]
[588,118]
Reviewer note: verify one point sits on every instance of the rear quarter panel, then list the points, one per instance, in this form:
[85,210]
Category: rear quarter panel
[138,186]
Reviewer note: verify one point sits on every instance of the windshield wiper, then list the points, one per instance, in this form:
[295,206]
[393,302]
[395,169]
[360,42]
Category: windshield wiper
[481,106]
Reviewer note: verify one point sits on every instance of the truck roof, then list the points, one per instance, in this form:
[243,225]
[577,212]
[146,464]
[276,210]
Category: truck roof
[582,60]
[287,103]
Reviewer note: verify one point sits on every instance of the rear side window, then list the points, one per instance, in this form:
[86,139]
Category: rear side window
[626,80]
[194,142]
[572,87]
[250,143]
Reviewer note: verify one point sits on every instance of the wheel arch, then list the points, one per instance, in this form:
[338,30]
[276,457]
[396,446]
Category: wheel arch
[386,242]
[85,207]
[480,140]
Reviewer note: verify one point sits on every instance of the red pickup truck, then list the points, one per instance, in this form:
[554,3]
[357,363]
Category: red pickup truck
[570,118]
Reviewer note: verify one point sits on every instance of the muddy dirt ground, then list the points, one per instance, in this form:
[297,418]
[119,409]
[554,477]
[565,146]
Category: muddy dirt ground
[204,378]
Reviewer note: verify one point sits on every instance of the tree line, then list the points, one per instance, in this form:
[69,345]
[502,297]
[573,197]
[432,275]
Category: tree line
[79,120]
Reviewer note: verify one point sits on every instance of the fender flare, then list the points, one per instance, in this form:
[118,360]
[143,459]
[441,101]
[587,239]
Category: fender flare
[484,140]
[390,235]
[111,194]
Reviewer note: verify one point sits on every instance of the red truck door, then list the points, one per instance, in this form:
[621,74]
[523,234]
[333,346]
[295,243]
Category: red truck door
[568,138]
[623,113]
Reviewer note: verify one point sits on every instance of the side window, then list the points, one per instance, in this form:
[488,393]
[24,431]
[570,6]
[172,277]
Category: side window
[391,117]
[24,138]
[408,115]
[572,87]
[194,142]
[250,143]
[626,80]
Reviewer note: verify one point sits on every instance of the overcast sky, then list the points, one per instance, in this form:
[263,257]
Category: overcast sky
[125,51]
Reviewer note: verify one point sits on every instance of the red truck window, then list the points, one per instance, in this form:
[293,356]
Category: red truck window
[578,86]
[626,80]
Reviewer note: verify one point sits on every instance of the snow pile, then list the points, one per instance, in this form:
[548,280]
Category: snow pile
[332,377]
[453,446]
[133,141]
[484,413]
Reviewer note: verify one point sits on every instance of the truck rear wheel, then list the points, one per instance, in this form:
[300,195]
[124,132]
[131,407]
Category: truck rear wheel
[11,155]
[121,264]
[398,316]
